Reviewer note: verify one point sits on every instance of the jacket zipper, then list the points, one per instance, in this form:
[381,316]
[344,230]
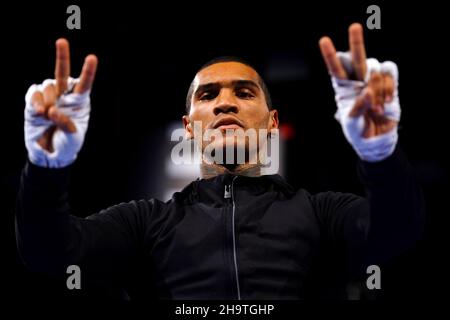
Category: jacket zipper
[229,193]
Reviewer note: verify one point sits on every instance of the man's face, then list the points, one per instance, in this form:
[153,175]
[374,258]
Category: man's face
[228,96]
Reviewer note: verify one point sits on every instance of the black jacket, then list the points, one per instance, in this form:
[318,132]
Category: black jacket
[227,237]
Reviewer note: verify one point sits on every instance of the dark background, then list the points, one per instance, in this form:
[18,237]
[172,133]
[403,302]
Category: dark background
[148,54]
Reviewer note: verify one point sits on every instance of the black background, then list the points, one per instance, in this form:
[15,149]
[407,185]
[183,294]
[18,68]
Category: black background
[149,53]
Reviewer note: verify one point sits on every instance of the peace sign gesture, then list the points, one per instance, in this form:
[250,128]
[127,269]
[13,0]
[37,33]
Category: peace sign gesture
[57,111]
[366,91]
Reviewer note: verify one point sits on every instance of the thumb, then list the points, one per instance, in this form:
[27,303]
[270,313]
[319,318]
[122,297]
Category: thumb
[363,103]
[61,120]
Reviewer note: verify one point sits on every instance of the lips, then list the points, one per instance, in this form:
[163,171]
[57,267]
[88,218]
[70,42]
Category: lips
[228,123]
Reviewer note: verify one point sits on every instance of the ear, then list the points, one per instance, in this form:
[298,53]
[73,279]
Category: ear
[273,120]
[188,130]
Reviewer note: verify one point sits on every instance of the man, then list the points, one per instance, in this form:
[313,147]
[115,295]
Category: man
[234,234]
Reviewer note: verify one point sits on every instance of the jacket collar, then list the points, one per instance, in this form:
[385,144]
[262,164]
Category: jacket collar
[212,189]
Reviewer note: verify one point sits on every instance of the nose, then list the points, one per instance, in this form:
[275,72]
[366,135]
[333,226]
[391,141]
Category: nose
[226,103]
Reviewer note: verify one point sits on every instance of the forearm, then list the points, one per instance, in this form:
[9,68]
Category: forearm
[42,218]
[397,207]
[50,239]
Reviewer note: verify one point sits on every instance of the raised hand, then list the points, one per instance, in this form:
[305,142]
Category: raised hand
[366,95]
[57,112]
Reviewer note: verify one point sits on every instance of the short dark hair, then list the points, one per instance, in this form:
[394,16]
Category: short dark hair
[229,59]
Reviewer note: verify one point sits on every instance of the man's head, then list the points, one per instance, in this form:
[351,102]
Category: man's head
[228,93]
[225,59]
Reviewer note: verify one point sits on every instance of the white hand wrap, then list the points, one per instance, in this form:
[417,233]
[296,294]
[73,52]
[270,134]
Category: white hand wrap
[65,145]
[346,92]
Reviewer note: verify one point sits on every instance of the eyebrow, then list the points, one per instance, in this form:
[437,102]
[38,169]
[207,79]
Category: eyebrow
[235,83]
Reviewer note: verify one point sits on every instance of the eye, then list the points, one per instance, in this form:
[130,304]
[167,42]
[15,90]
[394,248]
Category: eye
[245,94]
[206,96]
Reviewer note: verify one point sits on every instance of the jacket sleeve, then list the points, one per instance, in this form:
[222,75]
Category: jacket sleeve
[384,224]
[50,238]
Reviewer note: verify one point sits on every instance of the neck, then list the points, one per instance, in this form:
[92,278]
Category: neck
[246,169]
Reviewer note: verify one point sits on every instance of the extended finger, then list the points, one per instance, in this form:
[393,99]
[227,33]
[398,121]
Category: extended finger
[87,74]
[332,61]
[62,65]
[357,49]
